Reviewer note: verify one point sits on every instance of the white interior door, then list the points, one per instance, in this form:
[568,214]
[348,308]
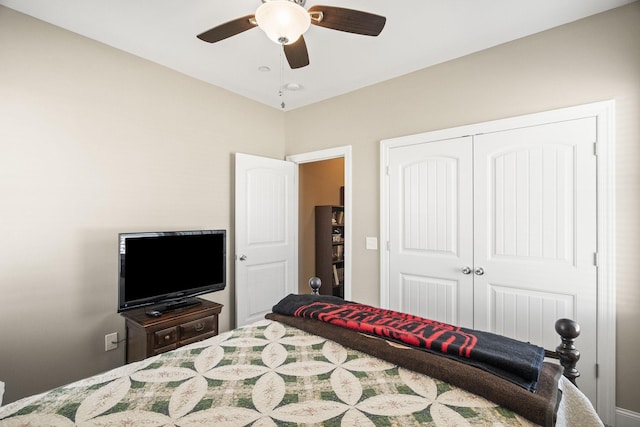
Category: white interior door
[535,235]
[431,230]
[265,229]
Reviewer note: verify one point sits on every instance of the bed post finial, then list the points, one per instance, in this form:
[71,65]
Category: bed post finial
[315,284]
[569,356]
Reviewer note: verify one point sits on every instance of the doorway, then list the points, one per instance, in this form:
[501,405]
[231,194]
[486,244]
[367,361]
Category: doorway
[319,176]
[267,218]
[319,184]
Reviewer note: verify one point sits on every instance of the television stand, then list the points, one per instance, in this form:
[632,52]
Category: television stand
[148,336]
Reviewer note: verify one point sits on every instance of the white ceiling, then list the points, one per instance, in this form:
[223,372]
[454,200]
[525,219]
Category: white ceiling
[418,34]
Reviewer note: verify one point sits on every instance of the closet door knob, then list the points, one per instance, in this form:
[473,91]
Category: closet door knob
[466,270]
[479,271]
[243,257]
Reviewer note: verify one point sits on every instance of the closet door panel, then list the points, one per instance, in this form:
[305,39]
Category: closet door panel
[431,232]
[535,233]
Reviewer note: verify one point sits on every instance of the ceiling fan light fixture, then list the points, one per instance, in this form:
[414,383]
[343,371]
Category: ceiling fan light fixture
[282,20]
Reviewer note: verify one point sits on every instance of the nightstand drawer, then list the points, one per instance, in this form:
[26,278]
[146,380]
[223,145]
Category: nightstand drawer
[197,327]
[159,350]
[165,337]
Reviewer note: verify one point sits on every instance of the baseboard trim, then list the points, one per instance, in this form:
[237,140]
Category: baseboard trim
[626,418]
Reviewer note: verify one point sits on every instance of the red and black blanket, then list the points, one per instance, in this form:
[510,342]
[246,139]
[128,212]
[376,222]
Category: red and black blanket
[515,361]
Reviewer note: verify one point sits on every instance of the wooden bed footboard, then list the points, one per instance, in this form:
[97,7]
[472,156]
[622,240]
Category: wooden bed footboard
[566,352]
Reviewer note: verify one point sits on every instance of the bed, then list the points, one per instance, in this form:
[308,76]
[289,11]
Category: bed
[291,370]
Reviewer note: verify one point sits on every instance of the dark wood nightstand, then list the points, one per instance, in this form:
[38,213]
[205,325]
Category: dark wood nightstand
[148,336]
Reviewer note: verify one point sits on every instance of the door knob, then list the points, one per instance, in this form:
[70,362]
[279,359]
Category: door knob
[479,271]
[466,270]
[243,257]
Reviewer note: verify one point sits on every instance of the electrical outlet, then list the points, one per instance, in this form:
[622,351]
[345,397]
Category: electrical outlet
[111,341]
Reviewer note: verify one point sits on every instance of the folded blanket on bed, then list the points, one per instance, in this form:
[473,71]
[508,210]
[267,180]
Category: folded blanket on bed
[513,360]
[539,407]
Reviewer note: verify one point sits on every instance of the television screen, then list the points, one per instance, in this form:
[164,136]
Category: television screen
[166,268]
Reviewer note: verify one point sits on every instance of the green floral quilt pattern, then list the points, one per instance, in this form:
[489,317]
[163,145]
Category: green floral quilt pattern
[266,374]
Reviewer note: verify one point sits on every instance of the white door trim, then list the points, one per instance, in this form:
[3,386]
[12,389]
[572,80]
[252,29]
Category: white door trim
[606,208]
[334,153]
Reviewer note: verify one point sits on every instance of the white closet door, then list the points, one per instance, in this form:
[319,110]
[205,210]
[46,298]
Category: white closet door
[535,235]
[430,232]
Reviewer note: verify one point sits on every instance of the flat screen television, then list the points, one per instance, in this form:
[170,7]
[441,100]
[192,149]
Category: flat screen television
[166,270]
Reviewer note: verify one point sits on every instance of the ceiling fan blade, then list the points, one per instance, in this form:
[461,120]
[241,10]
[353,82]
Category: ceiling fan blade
[228,29]
[297,54]
[349,20]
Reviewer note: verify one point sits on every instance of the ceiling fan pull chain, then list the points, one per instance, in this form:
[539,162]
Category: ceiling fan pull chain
[280,91]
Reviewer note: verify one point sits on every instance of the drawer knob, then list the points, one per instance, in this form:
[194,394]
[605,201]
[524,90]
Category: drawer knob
[199,326]
[167,337]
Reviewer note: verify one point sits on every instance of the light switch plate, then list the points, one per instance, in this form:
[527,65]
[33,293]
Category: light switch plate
[372,243]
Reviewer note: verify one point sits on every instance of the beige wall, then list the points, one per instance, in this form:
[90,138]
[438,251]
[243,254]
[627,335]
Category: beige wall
[590,60]
[319,184]
[94,141]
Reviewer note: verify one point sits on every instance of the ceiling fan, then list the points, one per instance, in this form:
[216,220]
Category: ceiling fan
[284,21]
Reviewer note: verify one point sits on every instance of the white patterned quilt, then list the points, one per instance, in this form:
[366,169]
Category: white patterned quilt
[266,374]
